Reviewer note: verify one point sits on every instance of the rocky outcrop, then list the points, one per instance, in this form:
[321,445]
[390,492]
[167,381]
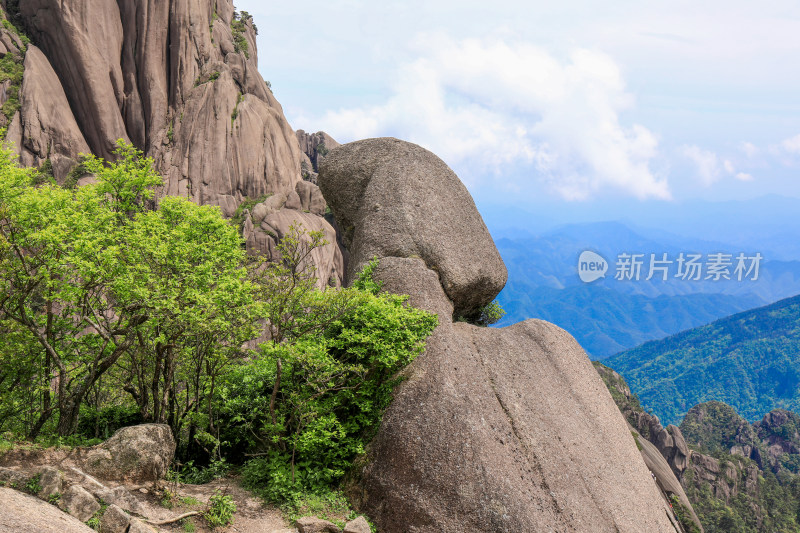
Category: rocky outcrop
[494,429]
[133,454]
[664,474]
[179,79]
[270,220]
[22,513]
[79,503]
[669,441]
[395,199]
[49,130]
[314,146]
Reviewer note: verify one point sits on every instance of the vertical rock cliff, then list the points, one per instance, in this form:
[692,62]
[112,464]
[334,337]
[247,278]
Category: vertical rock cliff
[179,80]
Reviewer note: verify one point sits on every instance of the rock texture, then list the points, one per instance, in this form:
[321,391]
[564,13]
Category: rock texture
[495,429]
[22,513]
[133,454]
[315,146]
[173,78]
[315,525]
[395,199]
[49,130]
[359,525]
[79,503]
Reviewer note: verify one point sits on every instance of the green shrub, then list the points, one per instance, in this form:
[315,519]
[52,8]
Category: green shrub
[220,510]
[333,389]
[33,486]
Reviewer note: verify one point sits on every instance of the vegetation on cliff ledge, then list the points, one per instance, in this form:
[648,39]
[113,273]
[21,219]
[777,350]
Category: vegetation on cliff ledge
[116,309]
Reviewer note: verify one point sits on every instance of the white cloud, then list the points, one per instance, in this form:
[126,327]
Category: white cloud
[707,163]
[511,109]
[791,145]
[710,167]
[729,168]
[749,149]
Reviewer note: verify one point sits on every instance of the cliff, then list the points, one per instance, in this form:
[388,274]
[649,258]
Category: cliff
[495,430]
[179,80]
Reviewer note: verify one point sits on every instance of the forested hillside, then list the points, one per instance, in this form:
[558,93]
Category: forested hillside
[748,360]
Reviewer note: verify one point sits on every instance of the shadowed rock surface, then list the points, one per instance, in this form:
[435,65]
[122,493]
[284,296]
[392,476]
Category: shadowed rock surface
[392,198]
[495,429]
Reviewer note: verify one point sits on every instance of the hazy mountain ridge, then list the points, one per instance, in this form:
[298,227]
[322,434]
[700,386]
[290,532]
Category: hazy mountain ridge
[609,315]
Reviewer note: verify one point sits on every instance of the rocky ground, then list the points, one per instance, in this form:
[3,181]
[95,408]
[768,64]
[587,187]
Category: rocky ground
[119,486]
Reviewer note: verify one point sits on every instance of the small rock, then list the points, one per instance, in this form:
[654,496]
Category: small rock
[121,497]
[144,490]
[309,524]
[137,526]
[115,520]
[79,503]
[359,525]
[50,480]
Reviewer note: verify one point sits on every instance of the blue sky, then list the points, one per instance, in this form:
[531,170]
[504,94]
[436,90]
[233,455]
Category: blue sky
[542,102]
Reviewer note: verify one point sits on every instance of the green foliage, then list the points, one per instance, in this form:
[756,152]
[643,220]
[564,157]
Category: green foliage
[76,173]
[199,475]
[140,311]
[170,132]
[683,515]
[747,361]
[44,174]
[235,112]
[636,440]
[238,28]
[128,182]
[11,69]
[33,486]
[313,398]
[54,498]
[490,314]
[247,204]
[220,510]
[714,427]
[103,422]
[325,505]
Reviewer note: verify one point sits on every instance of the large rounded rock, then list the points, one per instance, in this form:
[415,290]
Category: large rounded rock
[395,199]
[133,454]
[506,430]
[26,514]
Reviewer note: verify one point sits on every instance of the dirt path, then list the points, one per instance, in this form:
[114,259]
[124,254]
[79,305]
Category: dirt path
[251,515]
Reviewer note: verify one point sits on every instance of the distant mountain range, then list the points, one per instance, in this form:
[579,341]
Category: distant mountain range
[610,315]
[750,361]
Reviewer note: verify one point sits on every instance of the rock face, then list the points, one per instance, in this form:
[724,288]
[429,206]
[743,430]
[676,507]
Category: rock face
[668,441]
[395,199]
[23,513]
[315,146]
[49,129]
[179,80]
[495,429]
[133,454]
